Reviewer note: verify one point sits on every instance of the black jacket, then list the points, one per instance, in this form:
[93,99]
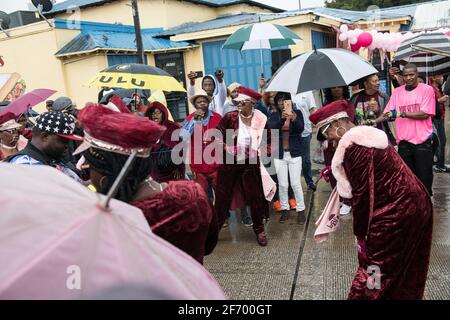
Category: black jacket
[296,127]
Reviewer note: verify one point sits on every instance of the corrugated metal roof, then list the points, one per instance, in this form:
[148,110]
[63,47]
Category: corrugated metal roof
[63,6]
[114,40]
[431,15]
[344,16]
[221,22]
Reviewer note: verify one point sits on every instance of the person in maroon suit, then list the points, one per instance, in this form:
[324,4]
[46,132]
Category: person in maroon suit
[164,171]
[242,160]
[392,211]
[177,211]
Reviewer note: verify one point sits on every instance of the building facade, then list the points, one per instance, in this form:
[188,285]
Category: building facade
[86,36]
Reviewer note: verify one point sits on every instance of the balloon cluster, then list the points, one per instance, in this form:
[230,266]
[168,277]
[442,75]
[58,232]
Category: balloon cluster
[389,42]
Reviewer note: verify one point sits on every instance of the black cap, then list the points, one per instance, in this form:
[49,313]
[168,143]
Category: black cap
[61,104]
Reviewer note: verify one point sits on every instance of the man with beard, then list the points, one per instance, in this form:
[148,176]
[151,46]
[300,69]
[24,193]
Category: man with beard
[51,136]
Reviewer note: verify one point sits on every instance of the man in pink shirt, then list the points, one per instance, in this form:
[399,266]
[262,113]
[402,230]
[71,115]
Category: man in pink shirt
[413,106]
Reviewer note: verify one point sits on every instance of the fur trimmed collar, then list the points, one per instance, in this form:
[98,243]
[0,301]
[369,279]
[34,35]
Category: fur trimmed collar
[258,124]
[364,136]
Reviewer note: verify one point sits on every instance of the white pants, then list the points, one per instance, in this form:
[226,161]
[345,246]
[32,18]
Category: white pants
[290,167]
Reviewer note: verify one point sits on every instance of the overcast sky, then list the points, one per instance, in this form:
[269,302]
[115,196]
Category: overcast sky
[13,5]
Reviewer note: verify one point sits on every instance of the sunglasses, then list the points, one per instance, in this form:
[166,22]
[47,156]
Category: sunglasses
[324,130]
[11,131]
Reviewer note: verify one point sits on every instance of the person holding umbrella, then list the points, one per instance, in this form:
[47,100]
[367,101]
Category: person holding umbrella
[288,160]
[178,211]
[393,225]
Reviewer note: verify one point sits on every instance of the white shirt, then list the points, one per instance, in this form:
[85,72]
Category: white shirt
[244,139]
[305,102]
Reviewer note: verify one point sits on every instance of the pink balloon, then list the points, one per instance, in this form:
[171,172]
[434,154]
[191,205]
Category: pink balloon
[355,47]
[447,33]
[365,39]
[343,36]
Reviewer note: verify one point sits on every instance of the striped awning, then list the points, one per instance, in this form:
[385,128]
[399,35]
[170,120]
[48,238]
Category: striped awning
[429,51]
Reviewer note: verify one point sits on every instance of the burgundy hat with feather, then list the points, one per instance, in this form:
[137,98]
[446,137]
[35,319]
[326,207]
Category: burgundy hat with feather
[329,113]
[117,132]
[247,93]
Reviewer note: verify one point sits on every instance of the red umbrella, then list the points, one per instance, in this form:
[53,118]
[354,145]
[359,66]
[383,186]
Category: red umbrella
[27,101]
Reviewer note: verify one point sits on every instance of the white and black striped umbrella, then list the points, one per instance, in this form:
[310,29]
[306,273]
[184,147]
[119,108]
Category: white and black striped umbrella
[422,51]
[320,69]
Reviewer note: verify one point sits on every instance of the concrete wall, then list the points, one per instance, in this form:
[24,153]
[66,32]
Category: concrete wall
[304,31]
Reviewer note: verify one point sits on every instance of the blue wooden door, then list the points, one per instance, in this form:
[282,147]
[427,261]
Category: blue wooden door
[244,68]
[321,40]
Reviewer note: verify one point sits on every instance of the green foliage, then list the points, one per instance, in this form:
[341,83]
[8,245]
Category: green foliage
[362,5]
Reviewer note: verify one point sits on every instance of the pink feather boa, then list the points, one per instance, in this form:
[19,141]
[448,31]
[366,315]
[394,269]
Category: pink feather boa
[364,136]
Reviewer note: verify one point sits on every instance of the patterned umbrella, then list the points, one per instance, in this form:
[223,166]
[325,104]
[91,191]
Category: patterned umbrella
[429,51]
[261,36]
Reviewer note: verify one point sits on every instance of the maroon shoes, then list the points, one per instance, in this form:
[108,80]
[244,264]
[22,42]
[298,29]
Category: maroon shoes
[261,239]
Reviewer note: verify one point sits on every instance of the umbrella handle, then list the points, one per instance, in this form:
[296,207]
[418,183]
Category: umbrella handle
[112,192]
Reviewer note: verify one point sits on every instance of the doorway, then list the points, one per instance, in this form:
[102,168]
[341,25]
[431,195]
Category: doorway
[173,63]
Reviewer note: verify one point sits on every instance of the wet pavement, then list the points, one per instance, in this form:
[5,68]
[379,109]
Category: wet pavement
[293,266]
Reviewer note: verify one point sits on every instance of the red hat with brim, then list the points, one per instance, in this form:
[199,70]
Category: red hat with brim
[121,133]
[250,93]
[329,113]
[71,137]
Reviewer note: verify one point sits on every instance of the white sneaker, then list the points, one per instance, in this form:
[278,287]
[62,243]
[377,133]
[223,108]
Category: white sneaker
[345,209]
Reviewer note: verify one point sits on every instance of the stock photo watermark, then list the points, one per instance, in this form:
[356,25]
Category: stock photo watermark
[73,281]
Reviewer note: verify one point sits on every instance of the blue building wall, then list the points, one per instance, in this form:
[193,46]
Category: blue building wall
[244,68]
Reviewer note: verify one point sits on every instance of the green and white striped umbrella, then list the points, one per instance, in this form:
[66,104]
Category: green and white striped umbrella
[261,36]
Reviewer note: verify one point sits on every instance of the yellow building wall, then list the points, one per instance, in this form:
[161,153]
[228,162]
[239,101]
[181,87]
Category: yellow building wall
[64,36]
[30,52]
[151,60]
[240,8]
[80,70]
[193,61]
[152,13]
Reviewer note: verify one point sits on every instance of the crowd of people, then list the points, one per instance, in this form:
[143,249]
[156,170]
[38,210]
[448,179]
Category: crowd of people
[227,145]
